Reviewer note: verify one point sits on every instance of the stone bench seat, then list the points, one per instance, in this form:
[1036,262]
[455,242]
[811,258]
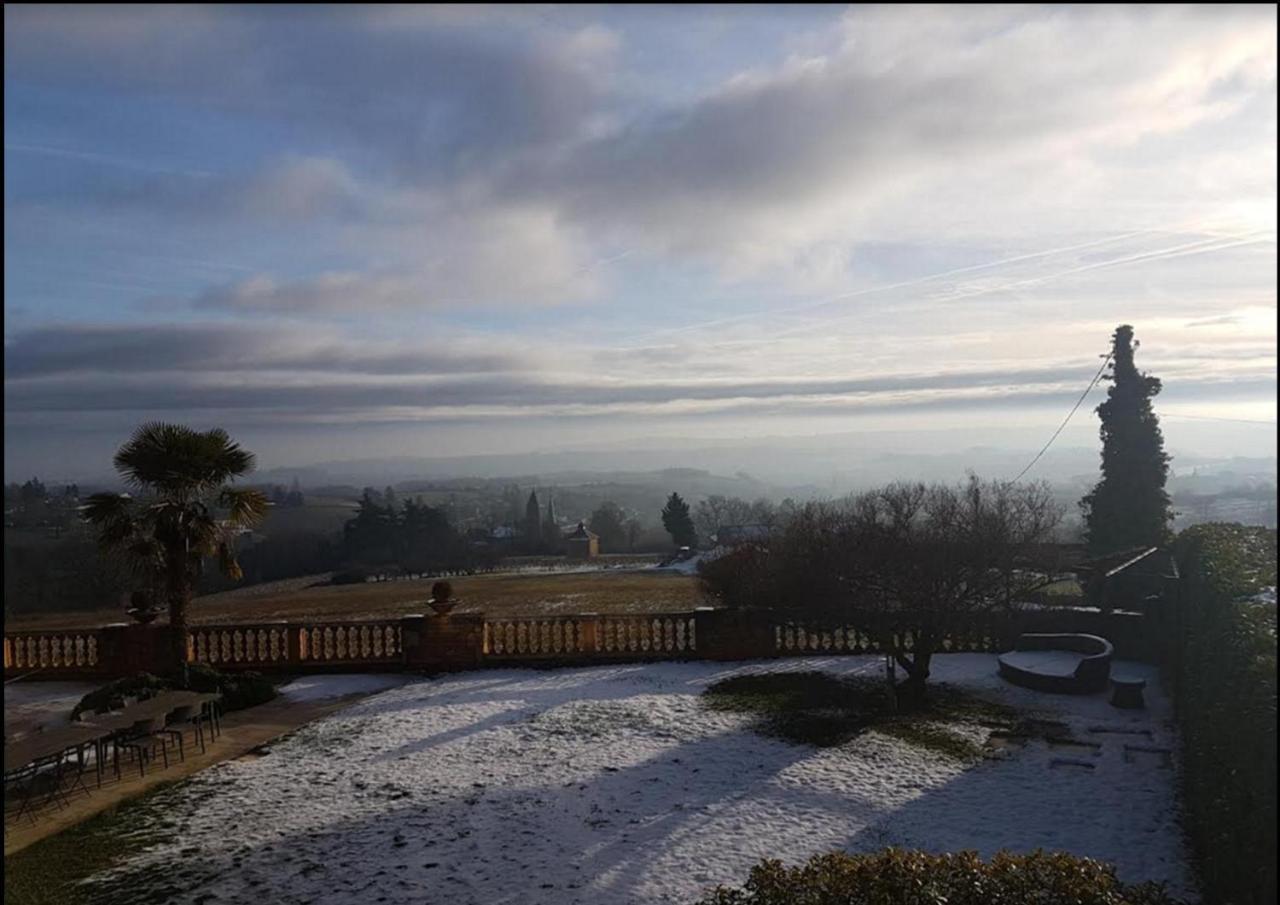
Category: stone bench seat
[1126,691]
[1059,663]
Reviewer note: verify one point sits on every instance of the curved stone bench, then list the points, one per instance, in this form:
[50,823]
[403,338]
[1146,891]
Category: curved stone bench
[1059,663]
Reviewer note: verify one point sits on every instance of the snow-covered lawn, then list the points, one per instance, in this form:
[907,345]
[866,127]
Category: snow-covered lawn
[616,784]
[319,688]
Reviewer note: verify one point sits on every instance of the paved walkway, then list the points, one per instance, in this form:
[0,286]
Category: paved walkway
[242,731]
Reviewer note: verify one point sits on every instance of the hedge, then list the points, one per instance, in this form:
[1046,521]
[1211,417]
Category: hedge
[1220,660]
[239,690]
[898,877]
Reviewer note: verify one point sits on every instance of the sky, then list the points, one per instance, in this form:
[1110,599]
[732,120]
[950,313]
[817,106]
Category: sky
[346,232]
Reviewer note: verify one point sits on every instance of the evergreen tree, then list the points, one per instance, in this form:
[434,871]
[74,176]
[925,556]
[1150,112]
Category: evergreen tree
[532,523]
[608,522]
[678,522]
[1129,507]
[551,538]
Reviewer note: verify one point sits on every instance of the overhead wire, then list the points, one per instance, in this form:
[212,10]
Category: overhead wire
[1092,383]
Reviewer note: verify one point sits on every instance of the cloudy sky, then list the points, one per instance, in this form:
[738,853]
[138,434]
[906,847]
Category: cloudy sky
[350,232]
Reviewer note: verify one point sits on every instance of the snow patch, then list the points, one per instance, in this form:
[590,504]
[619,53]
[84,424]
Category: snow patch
[318,688]
[1044,662]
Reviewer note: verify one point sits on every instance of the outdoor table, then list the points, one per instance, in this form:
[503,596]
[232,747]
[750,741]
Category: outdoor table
[113,723]
[27,755]
[46,744]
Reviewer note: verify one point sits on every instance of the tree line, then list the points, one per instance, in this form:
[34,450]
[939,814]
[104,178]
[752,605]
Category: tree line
[388,536]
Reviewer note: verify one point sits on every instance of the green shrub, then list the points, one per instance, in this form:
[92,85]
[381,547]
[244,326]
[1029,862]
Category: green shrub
[1219,657]
[238,690]
[814,708]
[897,877]
[111,695]
[246,689]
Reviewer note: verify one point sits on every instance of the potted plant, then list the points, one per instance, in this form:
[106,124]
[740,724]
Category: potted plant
[142,607]
[441,598]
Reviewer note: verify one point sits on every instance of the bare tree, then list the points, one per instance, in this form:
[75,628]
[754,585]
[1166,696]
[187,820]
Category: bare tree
[928,558]
[908,562]
[717,511]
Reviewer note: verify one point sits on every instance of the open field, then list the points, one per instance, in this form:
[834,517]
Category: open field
[497,594]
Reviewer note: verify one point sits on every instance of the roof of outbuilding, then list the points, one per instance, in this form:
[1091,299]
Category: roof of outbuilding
[581,533]
[1136,560]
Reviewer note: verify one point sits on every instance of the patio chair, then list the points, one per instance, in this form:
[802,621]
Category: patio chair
[67,774]
[141,740]
[191,715]
[41,780]
[211,713]
[20,786]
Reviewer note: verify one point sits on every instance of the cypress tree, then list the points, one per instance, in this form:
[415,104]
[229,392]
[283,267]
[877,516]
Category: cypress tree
[678,522]
[1129,506]
[532,523]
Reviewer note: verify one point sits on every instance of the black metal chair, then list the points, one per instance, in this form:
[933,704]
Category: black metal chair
[141,741]
[190,715]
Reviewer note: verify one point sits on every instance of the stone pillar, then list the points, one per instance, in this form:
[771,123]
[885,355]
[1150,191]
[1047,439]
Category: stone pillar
[734,634]
[128,649]
[412,639]
[451,642]
[113,650]
[589,625]
[293,644]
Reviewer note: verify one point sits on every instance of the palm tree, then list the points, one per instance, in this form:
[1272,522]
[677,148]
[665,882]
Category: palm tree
[167,535]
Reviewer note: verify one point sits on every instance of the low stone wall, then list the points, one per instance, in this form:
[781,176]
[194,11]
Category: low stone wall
[470,641]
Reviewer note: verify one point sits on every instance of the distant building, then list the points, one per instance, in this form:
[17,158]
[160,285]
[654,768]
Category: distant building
[582,544]
[732,535]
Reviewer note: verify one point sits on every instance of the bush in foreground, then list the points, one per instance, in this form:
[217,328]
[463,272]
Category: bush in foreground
[897,877]
[1220,657]
[238,690]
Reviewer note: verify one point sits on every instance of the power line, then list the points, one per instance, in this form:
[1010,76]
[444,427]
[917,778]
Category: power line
[1045,448]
